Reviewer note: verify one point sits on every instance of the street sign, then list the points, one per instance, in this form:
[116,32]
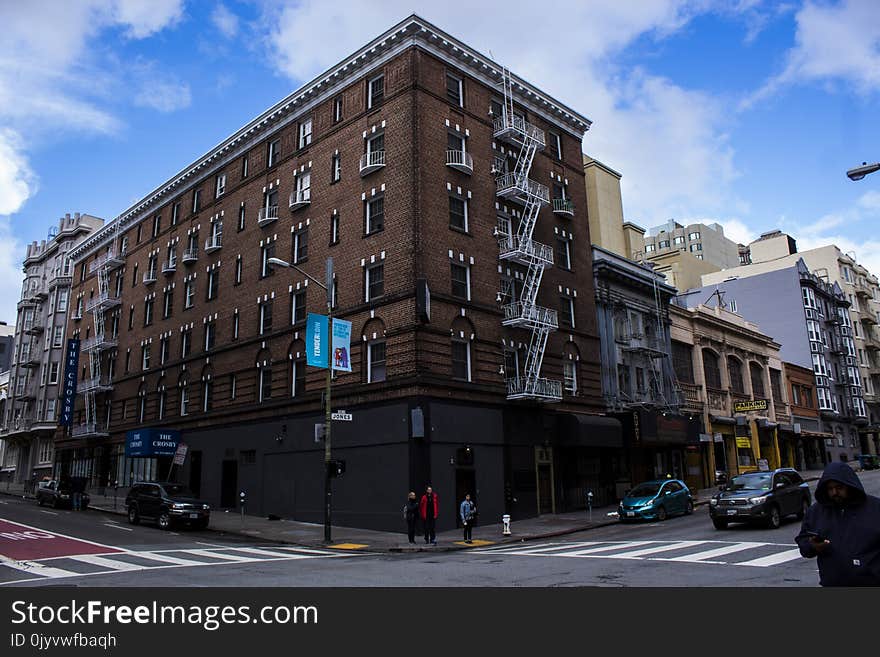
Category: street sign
[341,415]
[749,406]
[180,454]
[743,443]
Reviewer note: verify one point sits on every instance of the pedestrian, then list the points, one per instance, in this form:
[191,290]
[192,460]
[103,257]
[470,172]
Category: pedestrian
[410,514]
[842,530]
[429,509]
[468,513]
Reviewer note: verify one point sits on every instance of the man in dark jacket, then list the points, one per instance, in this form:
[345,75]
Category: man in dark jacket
[429,510]
[842,529]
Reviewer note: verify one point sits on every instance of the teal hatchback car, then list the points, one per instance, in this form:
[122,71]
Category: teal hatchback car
[656,500]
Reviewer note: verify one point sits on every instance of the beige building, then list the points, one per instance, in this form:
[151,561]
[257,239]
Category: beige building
[608,230]
[682,269]
[704,241]
[721,360]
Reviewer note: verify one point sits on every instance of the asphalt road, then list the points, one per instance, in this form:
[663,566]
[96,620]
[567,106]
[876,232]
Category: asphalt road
[94,549]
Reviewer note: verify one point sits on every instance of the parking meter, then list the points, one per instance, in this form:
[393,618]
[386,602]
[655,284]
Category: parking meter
[590,504]
[241,498]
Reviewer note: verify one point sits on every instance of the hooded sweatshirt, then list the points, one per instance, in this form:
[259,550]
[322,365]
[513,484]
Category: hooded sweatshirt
[853,529]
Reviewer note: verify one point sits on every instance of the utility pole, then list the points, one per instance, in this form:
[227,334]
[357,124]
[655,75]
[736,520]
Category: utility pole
[328,420]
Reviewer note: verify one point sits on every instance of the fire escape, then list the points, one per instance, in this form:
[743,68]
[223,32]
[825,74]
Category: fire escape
[519,247]
[99,382]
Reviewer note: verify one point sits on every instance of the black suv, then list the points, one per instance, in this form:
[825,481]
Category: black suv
[765,497]
[166,503]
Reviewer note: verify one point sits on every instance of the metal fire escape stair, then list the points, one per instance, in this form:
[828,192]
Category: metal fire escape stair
[519,247]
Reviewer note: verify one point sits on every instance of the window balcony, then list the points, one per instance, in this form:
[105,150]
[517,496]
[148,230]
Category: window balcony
[514,129]
[103,301]
[35,326]
[213,243]
[300,198]
[268,215]
[149,277]
[190,255]
[111,260]
[534,388]
[868,318]
[30,359]
[460,161]
[563,206]
[529,316]
[95,384]
[37,295]
[90,429]
[691,396]
[372,161]
[60,278]
[169,267]
[510,185]
[98,343]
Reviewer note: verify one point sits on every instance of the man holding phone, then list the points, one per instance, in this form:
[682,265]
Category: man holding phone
[842,530]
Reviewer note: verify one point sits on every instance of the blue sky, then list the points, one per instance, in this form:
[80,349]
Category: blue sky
[741,111]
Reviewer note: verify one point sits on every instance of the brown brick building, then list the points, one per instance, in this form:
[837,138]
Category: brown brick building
[405,164]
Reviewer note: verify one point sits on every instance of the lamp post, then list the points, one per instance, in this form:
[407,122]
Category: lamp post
[860,172]
[328,491]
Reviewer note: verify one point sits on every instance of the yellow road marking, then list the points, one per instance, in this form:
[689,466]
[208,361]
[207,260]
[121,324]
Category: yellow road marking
[347,546]
[476,543]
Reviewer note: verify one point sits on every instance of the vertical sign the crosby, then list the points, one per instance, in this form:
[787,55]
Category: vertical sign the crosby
[68,390]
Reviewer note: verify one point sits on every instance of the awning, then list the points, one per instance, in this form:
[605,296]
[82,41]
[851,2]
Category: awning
[722,419]
[764,423]
[578,430]
[816,434]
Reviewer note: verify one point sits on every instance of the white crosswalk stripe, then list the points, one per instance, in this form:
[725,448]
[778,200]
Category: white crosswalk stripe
[132,560]
[731,553]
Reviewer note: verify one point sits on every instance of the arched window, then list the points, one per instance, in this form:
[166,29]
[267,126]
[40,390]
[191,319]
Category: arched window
[757,376]
[711,371]
[373,337]
[734,370]
[570,363]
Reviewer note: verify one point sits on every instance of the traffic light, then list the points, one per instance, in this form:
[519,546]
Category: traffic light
[336,468]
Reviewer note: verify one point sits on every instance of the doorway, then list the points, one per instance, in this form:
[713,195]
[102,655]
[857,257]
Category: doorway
[465,482]
[229,485]
[195,473]
[545,489]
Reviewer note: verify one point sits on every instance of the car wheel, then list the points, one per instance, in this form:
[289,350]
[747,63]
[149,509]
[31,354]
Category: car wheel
[719,524]
[661,513]
[133,516]
[689,508]
[164,519]
[774,519]
[805,504]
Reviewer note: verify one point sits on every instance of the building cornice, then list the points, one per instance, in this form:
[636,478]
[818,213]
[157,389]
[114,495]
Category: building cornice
[414,31]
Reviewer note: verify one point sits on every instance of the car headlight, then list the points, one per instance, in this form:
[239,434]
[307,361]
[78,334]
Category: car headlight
[64,497]
[205,507]
[648,503]
[713,502]
[177,506]
[758,500]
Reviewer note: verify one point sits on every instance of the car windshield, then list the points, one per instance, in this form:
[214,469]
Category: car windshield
[178,490]
[750,482]
[645,490]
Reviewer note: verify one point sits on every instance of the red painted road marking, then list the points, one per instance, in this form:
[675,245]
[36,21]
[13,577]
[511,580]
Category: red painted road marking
[24,542]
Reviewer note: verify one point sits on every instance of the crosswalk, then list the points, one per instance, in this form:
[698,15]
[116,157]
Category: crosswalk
[733,553]
[81,565]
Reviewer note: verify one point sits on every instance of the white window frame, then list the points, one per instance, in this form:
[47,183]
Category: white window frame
[190,294]
[210,332]
[261,391]
[304,186]
[336,166]
[467,279]
[467,345]
[305,133]
[145,356]
[197,198]
[57,337]
[370,346]
[206,394]
[273,154]
[460,87]
[337,109]
[369,270]
[464,201]
[184,399]
[370,82]
[220,185]
[569,376]
[54,370]
[297,237]
[369,216]
[161,408]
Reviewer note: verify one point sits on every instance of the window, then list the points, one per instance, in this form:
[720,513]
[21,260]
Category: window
[554,140]
[157,225]
[569,375]
[238,271]
[461,281]
[334,229]
[245,166]
[303,187]
[213,283]
[456,142]
[138,234]
[376,361]
[624,385]
[678,239]
[375,215]
[776,385]
[650,247]
[454,90]
[694,236]
[235,325]
[696,247]
[711,370]
[163,396]
[232,382]
[184,397]
[458,215]
[127,362]
[274,153]
[189,289]
[210,334]
[185,343]
[241,216]
[375,282]
[461,360]
[53,373]
[819,365]
[757,375]
[814,331]
[663,244]
[297,376]
[265,383]
[63,295]
[297,307]
[795,395]
[375,91]
[148,312]
[809,298]
[682,362]
[301,245]
[566,311]
[167,303]
[57,336]
[337,109]
[134,276]
[734,371]
[145,357]
[266,252]
[335,168]
[47,447]
[197,200]
[563,259]
[305,133]
[265,317]
[220,185]
[175,213]
[164,349]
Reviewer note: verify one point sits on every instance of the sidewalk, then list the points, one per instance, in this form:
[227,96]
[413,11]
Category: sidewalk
[312,535]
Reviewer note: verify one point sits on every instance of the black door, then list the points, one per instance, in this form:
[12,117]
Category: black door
[229,485]
[465,482]
[545,487]
[195,473]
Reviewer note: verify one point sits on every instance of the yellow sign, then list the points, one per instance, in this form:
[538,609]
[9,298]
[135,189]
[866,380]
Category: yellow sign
[749,406]
[745,443]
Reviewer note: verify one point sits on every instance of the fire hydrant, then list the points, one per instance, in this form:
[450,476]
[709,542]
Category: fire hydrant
[505,519]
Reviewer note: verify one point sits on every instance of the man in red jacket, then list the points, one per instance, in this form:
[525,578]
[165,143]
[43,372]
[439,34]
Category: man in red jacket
[429,509]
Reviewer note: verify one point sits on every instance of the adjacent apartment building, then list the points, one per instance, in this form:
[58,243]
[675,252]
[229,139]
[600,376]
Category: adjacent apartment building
[450,195]
[30,418]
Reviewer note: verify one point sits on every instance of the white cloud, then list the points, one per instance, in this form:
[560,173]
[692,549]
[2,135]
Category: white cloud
[144,18]
[158,90]
[225,21]
[17,182]
[11,255]
[737,231]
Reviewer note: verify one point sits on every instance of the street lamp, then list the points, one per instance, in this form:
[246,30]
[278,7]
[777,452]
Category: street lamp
[328,493]
[860,172]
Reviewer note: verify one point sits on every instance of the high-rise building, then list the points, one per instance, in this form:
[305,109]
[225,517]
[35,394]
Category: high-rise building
[450,196]
[704,241]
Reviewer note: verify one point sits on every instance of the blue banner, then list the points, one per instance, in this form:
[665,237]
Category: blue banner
[151,442]
[316,340]
[68,384]
[341,345]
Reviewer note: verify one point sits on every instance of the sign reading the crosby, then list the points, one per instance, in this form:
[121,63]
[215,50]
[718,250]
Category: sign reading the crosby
[749,406]
[68,399]
[151,442]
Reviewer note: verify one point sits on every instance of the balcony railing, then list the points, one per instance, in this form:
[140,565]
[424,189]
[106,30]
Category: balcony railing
[692,395]
[300,198]
[190,255]
[169,267]
[112,260]
[102,300]
[30,358]
[717,399]
[60,278]
[96,384]
[868,318]
[35,326]
[213,243]
[510,184]
[516,129]
[149,277]
[542,389]
[511,247]
[99,342]
[372,161]
[563,206]
[267,215]
[519,313]
[90,429]
[460,161]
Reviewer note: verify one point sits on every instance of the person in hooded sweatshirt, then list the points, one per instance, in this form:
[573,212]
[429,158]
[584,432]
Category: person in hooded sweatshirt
[842,530]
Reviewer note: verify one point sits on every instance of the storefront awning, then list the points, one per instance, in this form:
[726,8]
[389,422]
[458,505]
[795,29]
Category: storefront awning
[722,419]
[578,430]
[816,434]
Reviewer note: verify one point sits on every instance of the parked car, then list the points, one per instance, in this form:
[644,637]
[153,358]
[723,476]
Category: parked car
[761,497]
[656,500]
[868,461]
[167,504]
[59,494]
